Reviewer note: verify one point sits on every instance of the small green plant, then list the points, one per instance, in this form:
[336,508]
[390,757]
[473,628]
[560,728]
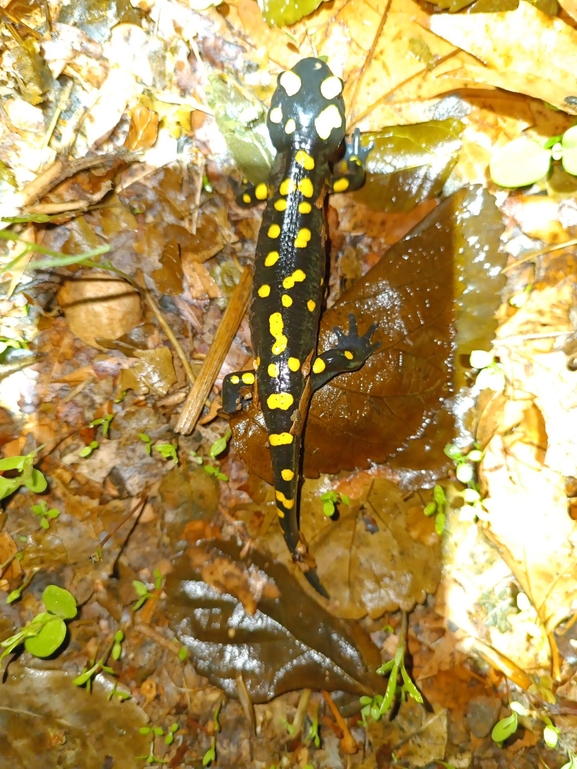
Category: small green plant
[437,508]
[27,476]
[524,161]
[217,448]
[168,451]
[466,472]
[210,754]
[313,733]
[491,375]
[182,653]
[87,450]
[97,666]
[104,422]
[143,592]
[147,442]
[331,500]
[376,707]
[46,515]
[12,343]
[45,634]
[158,731]
[117,645]
[572,763]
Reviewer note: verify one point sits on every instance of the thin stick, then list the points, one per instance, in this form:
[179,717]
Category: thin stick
[348,744]
[541,252]
[229,324]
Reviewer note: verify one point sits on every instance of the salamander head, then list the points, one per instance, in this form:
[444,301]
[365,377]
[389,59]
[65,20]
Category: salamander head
[307,108]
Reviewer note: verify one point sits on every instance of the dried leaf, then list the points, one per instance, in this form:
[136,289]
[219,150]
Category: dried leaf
[153,373]
[97,304]
[284,645]
[544,68]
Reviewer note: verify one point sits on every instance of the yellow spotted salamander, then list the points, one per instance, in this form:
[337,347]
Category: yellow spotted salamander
[306,122]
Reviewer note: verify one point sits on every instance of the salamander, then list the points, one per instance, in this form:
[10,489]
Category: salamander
[306,123]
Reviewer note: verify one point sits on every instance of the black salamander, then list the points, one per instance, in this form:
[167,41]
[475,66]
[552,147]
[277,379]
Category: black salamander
[306,122]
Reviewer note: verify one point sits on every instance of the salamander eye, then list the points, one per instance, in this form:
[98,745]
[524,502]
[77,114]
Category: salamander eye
[307,107]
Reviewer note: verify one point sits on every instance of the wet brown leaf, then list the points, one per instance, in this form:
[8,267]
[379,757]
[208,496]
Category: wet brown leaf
[414,294]
[153,373]
[96,304]
[47,721]
[371,572]
[289,642]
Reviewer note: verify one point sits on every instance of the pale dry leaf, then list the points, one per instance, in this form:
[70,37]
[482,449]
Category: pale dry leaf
[97,304]
[523,50]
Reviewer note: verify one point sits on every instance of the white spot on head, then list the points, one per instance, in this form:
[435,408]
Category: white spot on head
[290,126]
[275,115]
[328,119]
[331,87]
[291,82]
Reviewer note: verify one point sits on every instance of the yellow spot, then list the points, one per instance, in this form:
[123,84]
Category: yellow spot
[235,379]
[273,231]
[275,115]
[290,127]
[328,119]
[271,258]
[276,327]
[304,207]
[319,366]
[287,475]
[331,87]
[341,185]
[264,291]
[282,401]
[280,439]
[272,369]
[280,205]
[311,305]
[305,160]
[248,378]
[286,300]
[297,277]
[246,198]
[244,180]
[256,363]
[261,191]
[287,186]
[288,503]
[302,238]
[280,512]
[349,355]
[294,364]
[291,82]
[306,187]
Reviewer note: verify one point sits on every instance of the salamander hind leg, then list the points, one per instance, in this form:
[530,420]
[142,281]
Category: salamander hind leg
[237,388]
[349,354]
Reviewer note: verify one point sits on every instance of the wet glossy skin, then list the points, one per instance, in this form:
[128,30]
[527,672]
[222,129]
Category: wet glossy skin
[306,123]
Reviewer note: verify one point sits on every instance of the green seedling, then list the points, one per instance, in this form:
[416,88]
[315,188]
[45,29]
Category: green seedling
[437,507]
[466,472]
[182,653]
[550,733]
[147,442]
[168,451]
[14,557]
[572,763]
[142,590]
[87,450]
[45,634]
[313,733]
[504,728]
[523,161]
[210,754]
[97,666]
[206,185]
[27,476]
[217,448]
[158,731]
[331,500]
[288,726]
[117,645]
[104,422]
[56,258]
[491,375]
[46,515]
[375,707]
[16,343]
[16,594]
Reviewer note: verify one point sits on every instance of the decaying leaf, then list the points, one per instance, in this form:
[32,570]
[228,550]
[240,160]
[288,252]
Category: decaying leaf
[154,372]
[286,641]
[524,50]
[409,164]
[369,415]
[47,721]
[97,304]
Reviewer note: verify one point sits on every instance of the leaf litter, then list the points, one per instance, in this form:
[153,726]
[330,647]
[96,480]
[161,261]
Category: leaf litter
[124,92]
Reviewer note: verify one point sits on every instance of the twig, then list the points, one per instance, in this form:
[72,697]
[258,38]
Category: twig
[348,744]
[541,252]
[229,324]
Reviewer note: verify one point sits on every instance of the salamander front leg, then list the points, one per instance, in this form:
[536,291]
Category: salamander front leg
[237,388]
[350,353]
[349,172]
